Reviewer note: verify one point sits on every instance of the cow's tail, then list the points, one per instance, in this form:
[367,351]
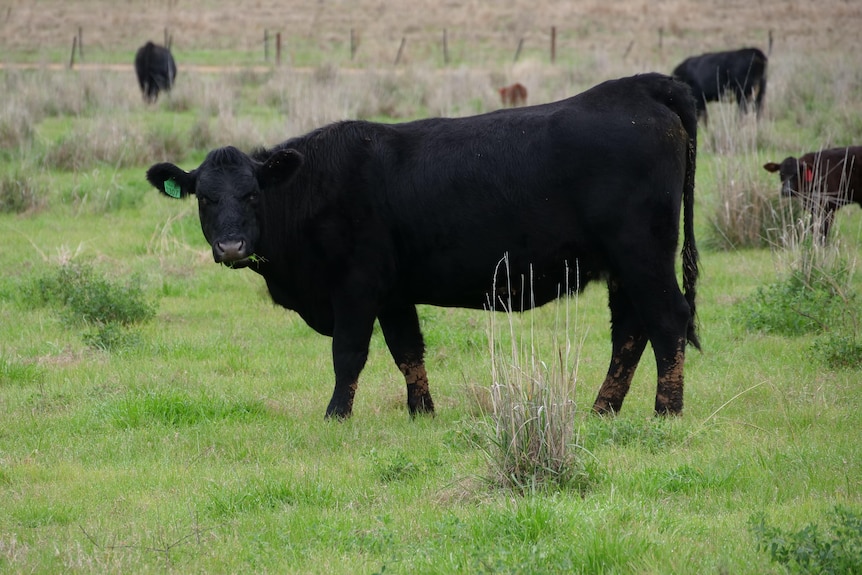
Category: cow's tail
[683,104]
[690,269]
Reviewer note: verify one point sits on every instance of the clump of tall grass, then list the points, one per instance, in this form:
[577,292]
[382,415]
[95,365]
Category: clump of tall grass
[19,193]
[16,127]
[743,209]
[817,93]
[532,443]
[108,143]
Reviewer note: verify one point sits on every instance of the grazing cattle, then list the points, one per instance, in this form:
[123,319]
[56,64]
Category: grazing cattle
[358,221]
[824,181]
[739,72]
[514,95]
[156,70]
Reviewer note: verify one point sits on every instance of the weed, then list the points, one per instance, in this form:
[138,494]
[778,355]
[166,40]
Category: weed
[19,373]
[835,550]
[797,305]
[19,193]
[84,297]
[839,351]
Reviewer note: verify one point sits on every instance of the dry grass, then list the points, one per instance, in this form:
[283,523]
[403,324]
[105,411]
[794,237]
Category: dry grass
[584,27]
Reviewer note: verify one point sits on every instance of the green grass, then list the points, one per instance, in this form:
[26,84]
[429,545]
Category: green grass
[203,446]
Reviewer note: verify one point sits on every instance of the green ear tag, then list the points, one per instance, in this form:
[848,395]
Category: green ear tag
[172,188]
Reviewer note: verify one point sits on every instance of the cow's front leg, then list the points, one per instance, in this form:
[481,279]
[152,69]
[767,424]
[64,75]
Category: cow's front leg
[400,325]
[350,340]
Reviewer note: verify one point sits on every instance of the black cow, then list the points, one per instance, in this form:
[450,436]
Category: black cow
[156,70]
[358,221]
[824,181]
[740,72]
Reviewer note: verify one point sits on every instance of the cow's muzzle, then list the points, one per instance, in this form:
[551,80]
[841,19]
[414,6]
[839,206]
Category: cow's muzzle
[234,253]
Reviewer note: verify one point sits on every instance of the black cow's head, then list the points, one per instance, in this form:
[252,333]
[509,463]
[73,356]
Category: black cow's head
[230,187]
[792,172]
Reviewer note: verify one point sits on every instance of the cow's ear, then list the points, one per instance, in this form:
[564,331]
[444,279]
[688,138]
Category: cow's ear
[171,180]
[279,168]
[771,167]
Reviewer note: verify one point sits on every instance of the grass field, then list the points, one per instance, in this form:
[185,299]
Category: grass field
[195,442]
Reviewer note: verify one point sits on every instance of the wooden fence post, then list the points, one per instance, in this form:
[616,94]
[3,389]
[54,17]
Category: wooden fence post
[553,44]
[278,48]
[265,45]
[518,51]
[445,47]
[74,47]
[628,49]
[353,43]
[400,50]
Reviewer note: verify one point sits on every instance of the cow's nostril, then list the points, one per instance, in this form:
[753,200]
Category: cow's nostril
[229,251]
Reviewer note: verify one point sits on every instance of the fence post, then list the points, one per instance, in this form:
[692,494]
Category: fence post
[445,47]
[265,45]
[628,49]
[353,43]
[553,44]
[74,47]
[400,50]
[278,49]
[518,51]
[769,50]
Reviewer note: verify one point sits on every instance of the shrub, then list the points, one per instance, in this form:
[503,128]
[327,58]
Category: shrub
[797,305]
[839,351]
[837,549]
[84,297]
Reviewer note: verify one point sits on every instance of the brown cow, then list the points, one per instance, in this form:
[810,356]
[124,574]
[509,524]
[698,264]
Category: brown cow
[824,180]
[514,95]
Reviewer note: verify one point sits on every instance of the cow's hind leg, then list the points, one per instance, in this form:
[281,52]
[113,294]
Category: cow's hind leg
[666,315]
[400,325]
[655,299]
[628,339]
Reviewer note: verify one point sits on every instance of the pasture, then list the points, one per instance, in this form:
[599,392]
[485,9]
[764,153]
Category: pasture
[195,441]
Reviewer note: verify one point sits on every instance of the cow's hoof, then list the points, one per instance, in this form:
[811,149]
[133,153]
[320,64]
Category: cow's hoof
[337,414]
[424,406]
[602,407]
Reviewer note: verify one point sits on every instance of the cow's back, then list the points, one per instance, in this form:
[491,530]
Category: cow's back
[550,186]
[845,180]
